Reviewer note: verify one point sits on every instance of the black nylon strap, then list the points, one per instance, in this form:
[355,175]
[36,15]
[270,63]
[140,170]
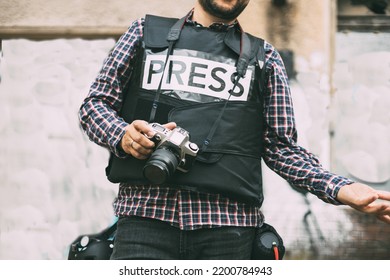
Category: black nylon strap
[260,56]
[241,68]
[172,38]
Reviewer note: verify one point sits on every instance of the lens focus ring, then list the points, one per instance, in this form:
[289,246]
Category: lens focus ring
[160,166]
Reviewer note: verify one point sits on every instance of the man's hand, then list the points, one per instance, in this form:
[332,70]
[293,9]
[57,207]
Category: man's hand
[367,200]
[136,140]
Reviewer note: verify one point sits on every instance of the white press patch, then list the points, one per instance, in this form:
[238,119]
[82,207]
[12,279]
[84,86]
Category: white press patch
[195,75]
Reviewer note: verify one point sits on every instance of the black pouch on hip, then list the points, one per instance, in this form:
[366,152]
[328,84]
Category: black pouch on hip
[268,244]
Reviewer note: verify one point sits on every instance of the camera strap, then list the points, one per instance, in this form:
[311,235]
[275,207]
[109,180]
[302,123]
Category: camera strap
[172,38]
[241,68]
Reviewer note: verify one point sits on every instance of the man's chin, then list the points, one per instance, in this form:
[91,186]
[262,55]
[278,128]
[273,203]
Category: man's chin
[224,11]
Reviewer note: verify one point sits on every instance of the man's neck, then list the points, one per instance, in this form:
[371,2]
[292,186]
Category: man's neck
[202,17]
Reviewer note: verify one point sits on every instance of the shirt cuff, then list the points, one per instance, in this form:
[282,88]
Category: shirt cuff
[116,132]
[334,185]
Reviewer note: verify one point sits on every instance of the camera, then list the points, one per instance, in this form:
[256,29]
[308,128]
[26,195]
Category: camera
[173,151]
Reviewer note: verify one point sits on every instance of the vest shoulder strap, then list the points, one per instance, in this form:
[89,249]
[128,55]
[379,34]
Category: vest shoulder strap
[156,30]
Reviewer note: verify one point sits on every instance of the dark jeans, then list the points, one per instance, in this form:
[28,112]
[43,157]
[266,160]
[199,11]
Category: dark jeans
[141,238]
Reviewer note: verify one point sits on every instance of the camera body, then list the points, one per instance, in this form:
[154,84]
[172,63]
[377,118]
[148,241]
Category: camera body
[173,151]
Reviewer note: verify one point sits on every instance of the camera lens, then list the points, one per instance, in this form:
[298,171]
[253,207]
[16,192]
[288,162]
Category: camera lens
[160,166]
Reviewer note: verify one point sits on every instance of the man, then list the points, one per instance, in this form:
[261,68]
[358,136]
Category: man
[200,215]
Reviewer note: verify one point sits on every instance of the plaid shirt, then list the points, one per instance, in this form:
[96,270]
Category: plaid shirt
[187,209]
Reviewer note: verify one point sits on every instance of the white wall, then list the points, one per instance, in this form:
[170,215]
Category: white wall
[53,186]
[361,115]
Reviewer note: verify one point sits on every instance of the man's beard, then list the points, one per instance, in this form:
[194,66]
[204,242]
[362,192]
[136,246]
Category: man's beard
[211,7]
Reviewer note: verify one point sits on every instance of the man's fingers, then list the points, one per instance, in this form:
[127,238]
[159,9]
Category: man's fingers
[137,141]
[170,125]
[137,154]
[384,195]
[141,151]
[379,208]
[138,131]
[384,218]
[140,126]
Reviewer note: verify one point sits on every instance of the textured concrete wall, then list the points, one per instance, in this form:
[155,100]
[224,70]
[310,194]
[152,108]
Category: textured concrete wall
[360,111]
[53,186]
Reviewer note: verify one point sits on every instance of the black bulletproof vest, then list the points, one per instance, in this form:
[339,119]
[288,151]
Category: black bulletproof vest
[201,72]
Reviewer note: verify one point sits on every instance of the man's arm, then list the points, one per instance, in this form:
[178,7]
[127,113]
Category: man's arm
[297,165]
[281,151]
[99,112]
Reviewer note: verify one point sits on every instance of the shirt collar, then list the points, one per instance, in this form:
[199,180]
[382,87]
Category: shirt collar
[216,26]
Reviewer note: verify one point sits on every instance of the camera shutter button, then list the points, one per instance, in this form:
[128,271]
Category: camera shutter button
[193,146]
